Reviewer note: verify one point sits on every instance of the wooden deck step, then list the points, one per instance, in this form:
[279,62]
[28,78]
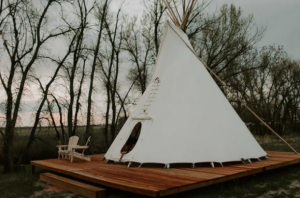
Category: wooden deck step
[77,187]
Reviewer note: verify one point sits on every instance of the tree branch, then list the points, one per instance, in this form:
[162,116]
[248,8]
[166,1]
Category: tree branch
[2,82]
[1,132]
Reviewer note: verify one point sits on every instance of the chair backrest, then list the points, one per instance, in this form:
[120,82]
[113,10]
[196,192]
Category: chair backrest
[87,142]
[73,140]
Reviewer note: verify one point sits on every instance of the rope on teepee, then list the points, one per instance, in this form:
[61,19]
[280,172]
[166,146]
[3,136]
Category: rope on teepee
[244,104]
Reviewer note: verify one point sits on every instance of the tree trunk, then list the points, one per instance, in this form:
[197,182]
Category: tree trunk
[90,94]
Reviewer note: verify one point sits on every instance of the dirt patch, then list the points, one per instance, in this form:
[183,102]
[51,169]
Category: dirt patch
[53,189]
[261,186]
[50,191]
[279,192]
[295,184]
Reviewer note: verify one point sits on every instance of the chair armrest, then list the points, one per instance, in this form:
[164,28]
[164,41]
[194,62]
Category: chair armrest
[62,145]
[75,147]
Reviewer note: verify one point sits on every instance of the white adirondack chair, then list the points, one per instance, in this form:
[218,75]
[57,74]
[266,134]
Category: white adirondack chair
[65,150]
[80,155]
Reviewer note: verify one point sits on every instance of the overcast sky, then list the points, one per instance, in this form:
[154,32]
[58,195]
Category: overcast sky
[281,17]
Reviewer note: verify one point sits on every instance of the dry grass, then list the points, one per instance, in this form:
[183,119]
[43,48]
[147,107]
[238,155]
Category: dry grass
[46,148]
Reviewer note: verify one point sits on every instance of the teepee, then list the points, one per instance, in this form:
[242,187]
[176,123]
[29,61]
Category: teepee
[183,116]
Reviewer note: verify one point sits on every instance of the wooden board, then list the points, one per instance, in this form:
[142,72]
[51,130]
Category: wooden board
[158,182]
[73,186]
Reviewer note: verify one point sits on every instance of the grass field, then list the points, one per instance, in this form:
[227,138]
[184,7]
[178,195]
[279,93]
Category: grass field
[44,146]
[283,182]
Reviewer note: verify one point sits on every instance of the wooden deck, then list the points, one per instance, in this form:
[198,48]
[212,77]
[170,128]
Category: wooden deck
[158,182]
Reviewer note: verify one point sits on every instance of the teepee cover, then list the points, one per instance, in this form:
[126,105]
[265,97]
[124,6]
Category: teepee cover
[184,116]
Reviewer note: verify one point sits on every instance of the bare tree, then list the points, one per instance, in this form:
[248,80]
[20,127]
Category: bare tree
[100,15]
[154,14]
[45,92]
[50,107]
[220,39]
[25,34]
[139,47]
[77,66]
[142,43]
[60,118]
[109,65]
[271,90]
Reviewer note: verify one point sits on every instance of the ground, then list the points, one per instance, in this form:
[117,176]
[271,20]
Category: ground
[24,185]
[284,182]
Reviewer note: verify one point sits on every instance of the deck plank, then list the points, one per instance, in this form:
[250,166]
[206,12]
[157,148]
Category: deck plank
[158,182]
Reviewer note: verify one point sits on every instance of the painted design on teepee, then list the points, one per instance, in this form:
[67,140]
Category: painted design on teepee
[154,88]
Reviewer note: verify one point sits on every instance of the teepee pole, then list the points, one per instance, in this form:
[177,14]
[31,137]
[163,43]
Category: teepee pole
[172,14]
[188,5]
[248,108]
[190,9]
[183,8]
[177,11]
[186,15]
[172,17]
[266,125]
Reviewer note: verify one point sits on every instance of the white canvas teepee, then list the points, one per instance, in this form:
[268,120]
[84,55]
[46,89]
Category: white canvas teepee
[184,116]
